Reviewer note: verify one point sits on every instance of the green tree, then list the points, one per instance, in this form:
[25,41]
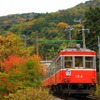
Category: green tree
[92,17]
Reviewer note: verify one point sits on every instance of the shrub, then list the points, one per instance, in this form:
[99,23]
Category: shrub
[30,94]
[20,73]
[97,93]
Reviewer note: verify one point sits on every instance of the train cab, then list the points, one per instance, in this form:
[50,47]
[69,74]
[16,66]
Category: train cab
[73,71]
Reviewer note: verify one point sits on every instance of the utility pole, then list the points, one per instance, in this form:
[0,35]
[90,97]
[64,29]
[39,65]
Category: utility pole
[83,31]
[25,40]
[99,57]
[70,28]
[37,46]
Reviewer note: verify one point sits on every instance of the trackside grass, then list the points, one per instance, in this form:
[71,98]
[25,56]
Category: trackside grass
[30,94]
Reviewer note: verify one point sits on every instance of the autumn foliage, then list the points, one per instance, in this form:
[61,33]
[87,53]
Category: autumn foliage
[20,73]
[19,69]
[12,62]
[62,24]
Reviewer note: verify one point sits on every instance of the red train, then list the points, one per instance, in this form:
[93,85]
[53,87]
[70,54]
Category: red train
[73,71]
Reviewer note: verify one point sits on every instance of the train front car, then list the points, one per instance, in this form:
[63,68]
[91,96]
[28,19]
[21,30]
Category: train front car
[73,72]
[78,72]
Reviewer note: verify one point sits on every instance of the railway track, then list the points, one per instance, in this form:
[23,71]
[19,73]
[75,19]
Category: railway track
[69,98]
[93,98]
[84,98]
[66,97]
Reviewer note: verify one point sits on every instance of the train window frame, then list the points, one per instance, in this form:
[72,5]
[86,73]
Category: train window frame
[52,70]
[79,62]
[58,64]
[54,66]
[62,62]
[68,62]
[94,62]
[89,62]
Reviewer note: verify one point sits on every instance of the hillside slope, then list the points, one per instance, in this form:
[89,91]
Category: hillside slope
[46,26]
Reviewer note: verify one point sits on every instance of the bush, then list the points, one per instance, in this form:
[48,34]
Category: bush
[30,94]
[97,93]
[20,73]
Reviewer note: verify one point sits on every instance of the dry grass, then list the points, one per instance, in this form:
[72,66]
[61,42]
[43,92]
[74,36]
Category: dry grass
[30,94]
[97,93]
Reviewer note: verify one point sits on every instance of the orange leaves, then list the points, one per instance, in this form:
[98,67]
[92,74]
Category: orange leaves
[2,39]
[11,88]
[78,25]
[3,79]
[11,45]
[62,24]
[19,69]
[20,72]
[12,62]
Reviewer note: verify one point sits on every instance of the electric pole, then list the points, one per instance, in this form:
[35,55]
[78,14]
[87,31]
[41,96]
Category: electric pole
[83,31]
[25,40]
[99,56]
[37,46]
[70,28]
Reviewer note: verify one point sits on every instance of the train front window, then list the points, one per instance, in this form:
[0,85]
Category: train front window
[68,62]
[78,62]
[89,62]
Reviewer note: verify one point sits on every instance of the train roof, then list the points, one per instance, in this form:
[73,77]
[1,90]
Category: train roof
[77,52]
[77,49]
[74,52]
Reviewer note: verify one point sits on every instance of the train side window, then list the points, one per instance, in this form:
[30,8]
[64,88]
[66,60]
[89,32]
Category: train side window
[89,62]
[52,70]
[78,62]
[58,64]
[47,74]
[68,62]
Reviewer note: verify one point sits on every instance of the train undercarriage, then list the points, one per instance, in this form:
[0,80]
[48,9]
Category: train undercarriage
[84,89]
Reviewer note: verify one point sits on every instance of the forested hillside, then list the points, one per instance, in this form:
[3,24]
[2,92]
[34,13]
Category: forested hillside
[22,36]
[51,26]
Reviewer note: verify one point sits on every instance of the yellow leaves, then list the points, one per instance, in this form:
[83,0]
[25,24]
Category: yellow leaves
[8,32]
[62,24]
[38,20]
[78,25]
[2,39]
[11,44]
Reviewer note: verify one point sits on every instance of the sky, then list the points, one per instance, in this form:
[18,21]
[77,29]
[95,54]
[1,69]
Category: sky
[8,7]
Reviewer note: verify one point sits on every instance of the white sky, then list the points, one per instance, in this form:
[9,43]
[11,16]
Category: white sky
[39,6]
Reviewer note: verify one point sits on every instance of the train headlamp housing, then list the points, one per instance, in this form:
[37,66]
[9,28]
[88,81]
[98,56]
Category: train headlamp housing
[68,79]
[93,79]
[65,80]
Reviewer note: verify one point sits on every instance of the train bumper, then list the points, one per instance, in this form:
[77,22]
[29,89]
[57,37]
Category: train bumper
[77,91]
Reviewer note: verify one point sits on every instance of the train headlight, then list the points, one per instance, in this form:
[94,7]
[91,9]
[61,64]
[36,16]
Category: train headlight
[68,79]
[93,79]
[65,80]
